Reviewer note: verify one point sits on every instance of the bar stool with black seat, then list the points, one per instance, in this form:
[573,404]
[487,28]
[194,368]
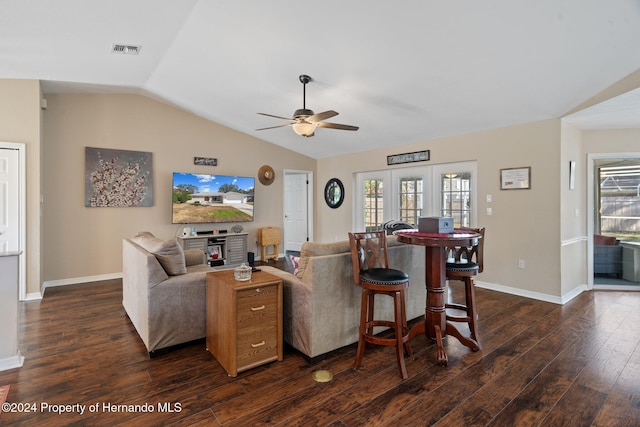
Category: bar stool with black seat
[463,265]
[372,273]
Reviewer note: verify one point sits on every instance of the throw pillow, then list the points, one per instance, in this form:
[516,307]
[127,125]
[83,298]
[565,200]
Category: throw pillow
[171,257]
[145,240]
[194,257]
[295,261]
[169,253]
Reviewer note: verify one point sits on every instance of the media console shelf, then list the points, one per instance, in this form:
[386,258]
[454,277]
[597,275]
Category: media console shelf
[222,249]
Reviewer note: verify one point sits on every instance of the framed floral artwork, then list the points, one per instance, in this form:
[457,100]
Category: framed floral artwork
[118,178]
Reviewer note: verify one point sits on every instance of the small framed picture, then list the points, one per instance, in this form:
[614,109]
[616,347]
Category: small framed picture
[515,178]
[215,251]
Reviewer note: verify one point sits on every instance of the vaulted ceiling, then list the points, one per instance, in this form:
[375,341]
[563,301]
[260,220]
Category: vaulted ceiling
[404,72]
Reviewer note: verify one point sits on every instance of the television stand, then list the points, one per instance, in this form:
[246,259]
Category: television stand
[231,248]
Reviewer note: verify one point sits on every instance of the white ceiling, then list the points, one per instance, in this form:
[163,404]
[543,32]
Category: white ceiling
[404,72]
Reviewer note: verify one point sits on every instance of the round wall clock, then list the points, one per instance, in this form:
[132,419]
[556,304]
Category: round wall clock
[334,193]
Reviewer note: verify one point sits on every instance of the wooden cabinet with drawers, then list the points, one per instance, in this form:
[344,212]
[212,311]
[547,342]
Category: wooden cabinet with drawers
[244,320]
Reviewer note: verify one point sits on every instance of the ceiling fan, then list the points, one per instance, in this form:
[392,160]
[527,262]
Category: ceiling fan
[304,121]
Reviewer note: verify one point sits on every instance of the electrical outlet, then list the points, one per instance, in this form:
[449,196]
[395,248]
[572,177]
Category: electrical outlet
[520,263]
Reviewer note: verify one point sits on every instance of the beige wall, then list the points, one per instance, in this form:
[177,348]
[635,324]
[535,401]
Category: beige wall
[82,242]
[20,122]
[525,223]
[573,211]
[611,141]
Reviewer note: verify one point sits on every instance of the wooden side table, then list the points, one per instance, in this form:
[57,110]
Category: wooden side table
[244,320]
[269,236]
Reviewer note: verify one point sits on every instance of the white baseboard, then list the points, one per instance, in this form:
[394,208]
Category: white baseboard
[77,280]
[11,362]
[33,296]
[534,295]
[574,293]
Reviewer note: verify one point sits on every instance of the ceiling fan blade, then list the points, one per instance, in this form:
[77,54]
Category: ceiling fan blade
[274,127]
[322,116]
[277,117]
[337,126]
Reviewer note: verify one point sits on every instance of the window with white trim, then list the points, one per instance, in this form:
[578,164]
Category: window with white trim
[411,196]
[373,204]
[455,191]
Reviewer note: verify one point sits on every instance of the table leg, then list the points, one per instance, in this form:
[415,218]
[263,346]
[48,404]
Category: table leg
[435,316]
[466,341]
[442,355]
[435,325]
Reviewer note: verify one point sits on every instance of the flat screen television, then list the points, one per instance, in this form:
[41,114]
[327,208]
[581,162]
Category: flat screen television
[209,199]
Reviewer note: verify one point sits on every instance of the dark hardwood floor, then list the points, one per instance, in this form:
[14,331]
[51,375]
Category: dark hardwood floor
[541,364]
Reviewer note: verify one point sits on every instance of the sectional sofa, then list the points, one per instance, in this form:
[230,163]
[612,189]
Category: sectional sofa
[164,293]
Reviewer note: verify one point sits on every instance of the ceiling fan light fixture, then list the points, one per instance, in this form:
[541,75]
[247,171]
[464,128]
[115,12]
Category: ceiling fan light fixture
[304,128]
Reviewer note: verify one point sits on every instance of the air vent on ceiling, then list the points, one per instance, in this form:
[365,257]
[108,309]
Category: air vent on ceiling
[126,49]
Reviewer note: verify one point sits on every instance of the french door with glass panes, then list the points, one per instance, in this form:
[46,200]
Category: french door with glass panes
[454,192]
[405,194]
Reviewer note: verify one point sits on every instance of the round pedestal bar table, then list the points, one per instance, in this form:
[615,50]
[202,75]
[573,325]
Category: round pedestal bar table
[435,325]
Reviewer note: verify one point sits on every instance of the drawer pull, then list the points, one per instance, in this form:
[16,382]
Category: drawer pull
[262,307]
[260,344]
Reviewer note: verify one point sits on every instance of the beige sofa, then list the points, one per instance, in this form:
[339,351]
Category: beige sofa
[164,290]
[322,304]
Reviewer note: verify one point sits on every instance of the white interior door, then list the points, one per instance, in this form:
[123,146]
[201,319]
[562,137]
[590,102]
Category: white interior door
[296,210]
[9,200]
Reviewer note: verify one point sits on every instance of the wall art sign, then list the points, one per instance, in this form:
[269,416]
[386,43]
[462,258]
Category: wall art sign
[118,178]
[205,161]
[416,156]
[515,178]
